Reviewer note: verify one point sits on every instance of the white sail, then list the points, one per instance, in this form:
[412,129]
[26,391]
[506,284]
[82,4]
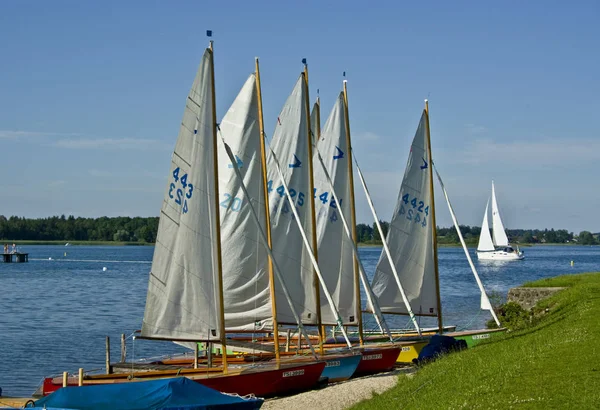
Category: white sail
[500,238]
[245,261]
[265,243]
[410,238]
[182,299]
[485,239]
[336,257]
[290,144]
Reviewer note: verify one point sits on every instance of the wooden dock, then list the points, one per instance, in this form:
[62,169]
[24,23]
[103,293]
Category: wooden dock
[17,402]
[15,257]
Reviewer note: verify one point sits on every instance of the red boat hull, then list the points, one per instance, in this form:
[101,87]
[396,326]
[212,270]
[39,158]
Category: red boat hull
[377,360]
[272,381]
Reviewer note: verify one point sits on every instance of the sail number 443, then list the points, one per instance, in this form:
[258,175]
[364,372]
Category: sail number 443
[181,195]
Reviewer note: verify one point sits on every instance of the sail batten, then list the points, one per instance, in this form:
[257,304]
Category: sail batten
[182,302]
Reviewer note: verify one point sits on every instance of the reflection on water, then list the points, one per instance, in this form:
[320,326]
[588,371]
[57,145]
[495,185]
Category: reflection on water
[56,310]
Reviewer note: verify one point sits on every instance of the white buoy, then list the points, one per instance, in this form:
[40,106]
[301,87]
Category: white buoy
[49,259]
[104,269]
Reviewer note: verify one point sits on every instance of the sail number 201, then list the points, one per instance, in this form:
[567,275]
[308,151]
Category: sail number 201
[415,210]
[181,195]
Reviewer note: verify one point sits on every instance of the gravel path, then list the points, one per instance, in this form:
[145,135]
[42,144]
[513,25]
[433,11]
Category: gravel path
[339,396]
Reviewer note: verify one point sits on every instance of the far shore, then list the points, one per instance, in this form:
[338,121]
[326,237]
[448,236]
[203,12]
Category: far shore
[360,244]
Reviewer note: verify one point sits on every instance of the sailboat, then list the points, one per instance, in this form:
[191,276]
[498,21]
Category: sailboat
[336,275]
[340,263]
[496,248]
[243,128]
[185,300]
[406,280]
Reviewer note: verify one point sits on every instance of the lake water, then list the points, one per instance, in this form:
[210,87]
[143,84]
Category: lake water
[55,314]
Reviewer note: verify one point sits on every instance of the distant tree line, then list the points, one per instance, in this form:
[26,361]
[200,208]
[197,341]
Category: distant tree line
[449,236]
[126,229]
[61,228]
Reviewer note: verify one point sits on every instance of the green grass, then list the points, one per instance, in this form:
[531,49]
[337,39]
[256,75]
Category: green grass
[554,364]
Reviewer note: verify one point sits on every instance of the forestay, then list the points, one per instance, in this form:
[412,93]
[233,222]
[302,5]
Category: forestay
[336,257]
[245,261]
[410,238]
[485,239]
[290,144]
[500,238]
[182,299]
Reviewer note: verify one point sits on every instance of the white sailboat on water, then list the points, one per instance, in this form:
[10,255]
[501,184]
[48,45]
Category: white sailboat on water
[498,247]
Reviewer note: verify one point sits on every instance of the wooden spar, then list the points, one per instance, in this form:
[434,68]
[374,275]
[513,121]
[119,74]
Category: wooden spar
[80,378]
[65,379]
[317,108]
[311,189]
[433,225]
[353,214]
[263,161]
[217,212]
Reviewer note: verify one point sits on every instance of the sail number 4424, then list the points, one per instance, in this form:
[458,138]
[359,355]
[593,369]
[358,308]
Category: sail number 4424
[414,209]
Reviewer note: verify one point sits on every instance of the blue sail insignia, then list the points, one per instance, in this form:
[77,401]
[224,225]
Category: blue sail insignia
[297,163]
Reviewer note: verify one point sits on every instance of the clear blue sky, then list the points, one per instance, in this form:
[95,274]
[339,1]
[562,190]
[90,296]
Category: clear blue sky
[92,94]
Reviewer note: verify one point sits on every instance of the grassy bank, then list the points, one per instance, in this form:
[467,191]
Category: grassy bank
[554,364]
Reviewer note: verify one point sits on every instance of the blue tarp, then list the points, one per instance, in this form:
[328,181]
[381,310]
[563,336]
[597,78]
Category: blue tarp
[171,394]
[438,346]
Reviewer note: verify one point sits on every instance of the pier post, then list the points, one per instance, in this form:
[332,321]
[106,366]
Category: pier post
[65,378]
[80,376]
[287,340]
[209,346]
[108,370]
[123,348]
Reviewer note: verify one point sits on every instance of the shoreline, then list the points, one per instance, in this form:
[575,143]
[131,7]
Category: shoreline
[360,244]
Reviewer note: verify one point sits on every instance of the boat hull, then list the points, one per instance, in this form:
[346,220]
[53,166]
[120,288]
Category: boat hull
[287,380]
[341,368]
[261,381]
[500,256]
[474,337]
[377,360]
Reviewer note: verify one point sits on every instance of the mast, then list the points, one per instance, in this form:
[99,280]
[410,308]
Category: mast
[353,214]
[217,212]
[263,160]
[311,189]
[433,225]
[317,108]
